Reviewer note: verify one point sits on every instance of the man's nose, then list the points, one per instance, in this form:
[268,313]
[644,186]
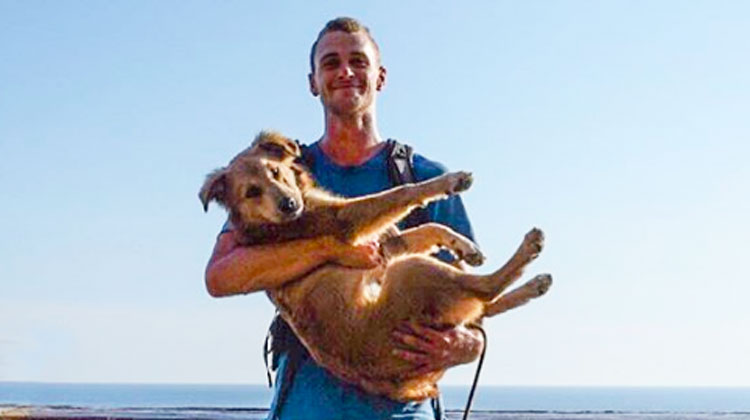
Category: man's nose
[346,71]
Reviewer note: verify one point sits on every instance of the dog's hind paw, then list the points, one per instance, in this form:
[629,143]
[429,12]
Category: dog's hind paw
[542,283]
[533,243]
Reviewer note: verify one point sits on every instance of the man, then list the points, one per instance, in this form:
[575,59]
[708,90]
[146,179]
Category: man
[350,160]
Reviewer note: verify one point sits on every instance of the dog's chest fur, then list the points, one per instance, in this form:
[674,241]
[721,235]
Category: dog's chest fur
[314,223]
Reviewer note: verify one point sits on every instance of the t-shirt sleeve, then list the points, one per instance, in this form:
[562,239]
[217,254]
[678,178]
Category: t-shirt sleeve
[226,227]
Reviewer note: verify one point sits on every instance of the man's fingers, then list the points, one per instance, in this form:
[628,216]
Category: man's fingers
[368,254]
[420,371]
[371,251]
[410,340]
[412,357]
[361,256]
[430,334]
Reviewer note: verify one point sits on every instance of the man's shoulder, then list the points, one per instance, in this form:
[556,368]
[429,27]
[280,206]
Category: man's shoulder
[425,168]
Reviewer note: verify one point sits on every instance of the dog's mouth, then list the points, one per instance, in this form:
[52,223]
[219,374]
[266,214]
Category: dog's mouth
[288,217]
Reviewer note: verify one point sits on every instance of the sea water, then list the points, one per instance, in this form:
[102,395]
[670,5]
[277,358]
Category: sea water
[488,398]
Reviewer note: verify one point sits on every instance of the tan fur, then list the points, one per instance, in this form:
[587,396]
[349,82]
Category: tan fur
[345,316]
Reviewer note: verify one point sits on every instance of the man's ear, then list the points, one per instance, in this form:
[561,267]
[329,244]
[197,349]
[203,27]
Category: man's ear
[381,78]
[313,87]
[215,188]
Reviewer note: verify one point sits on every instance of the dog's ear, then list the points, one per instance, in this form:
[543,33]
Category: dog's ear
[277,146]
[302,177]
[215,188]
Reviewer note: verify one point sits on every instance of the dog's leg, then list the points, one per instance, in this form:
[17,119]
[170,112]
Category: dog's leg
[532,289]
[367,215]
[490,286]
[428,238]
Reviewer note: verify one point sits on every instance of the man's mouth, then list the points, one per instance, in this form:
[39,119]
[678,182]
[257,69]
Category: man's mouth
[346,86]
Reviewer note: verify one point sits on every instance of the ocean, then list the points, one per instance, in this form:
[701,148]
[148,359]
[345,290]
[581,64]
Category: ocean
[491,402]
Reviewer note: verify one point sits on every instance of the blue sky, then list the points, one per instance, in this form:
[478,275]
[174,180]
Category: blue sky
[620,128]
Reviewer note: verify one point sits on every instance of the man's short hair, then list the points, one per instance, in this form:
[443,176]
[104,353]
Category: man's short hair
[343,24]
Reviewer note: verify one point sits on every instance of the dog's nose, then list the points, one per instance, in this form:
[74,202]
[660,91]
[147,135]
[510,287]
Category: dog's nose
[288,205]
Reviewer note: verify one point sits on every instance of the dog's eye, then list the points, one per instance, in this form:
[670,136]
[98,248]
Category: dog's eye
[275,172]
[253,191]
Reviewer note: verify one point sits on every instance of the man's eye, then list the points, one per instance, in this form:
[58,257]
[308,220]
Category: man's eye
[253,191]
[359,62]
[330,64]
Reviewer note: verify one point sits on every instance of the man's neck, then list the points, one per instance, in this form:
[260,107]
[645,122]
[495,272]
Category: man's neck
[351,140]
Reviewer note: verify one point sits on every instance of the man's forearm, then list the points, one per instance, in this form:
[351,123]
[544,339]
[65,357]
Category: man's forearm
[237,269]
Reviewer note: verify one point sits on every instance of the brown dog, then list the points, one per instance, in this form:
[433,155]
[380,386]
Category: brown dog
[345,316]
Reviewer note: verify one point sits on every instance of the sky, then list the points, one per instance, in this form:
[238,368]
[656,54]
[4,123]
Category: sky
[620,128]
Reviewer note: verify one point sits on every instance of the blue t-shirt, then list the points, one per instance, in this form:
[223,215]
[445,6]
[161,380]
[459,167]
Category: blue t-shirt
[315,393]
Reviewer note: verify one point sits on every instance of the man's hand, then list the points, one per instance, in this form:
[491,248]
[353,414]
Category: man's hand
[364,256]
[430,349]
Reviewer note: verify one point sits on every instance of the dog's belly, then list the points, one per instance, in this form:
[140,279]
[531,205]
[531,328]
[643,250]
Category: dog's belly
[346,321]
[329,308]
[332,311]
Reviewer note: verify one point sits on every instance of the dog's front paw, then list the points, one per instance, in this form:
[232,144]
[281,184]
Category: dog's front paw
[474,259]
[459,182]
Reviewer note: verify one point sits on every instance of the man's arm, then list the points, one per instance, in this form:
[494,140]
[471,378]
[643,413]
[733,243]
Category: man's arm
[235,269]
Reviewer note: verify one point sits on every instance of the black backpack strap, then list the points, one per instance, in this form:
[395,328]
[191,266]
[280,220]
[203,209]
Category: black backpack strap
[400,162]
[307,157]
[280,339]
[283,340]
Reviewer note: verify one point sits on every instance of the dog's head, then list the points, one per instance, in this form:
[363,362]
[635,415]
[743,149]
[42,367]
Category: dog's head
[260,185]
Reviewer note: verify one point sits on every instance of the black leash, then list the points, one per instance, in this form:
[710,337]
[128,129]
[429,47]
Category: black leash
[476,375]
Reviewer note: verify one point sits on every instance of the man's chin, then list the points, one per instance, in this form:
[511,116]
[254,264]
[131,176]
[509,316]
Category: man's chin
[344,108]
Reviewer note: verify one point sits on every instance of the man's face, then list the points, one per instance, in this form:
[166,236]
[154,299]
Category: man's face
[347,72]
